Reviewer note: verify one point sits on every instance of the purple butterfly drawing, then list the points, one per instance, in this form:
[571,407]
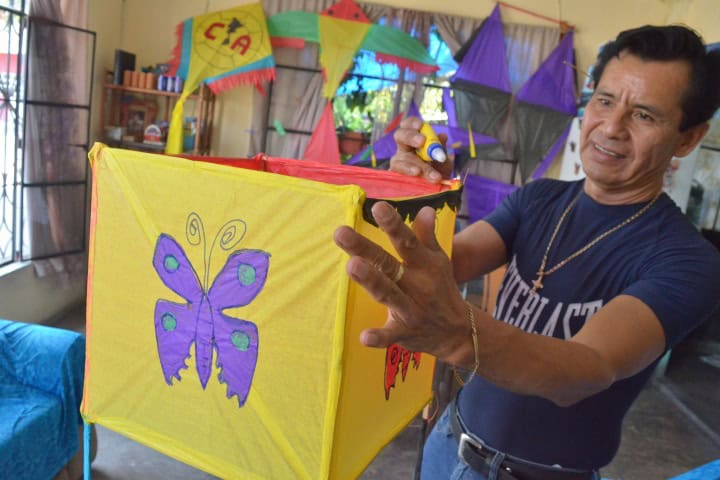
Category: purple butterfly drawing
[201,320]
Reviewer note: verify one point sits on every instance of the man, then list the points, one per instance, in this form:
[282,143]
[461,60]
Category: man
[604,276]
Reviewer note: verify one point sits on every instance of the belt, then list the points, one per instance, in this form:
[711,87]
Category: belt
[480,457]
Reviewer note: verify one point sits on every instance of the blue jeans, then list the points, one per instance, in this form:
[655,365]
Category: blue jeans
[440,456]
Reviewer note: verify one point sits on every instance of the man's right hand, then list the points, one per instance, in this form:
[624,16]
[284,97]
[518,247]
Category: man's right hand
[405,161]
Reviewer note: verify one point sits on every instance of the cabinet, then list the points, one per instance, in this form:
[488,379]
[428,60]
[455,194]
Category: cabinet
[125,113]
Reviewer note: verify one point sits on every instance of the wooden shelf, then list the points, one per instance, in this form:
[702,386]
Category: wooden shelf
[134,145]
[146,91]
[115,111]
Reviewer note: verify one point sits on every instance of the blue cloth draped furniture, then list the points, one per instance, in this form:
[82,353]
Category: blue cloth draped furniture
[710,471]
[41,382]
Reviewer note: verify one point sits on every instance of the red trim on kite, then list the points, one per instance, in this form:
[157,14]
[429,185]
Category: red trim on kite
[346,10]
[174,62]
[418,67]
[255,77]
[287,42]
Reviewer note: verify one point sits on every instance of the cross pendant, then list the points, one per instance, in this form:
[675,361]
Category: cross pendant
[537,283]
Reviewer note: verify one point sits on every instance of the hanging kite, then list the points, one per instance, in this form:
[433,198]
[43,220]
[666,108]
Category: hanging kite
[341,30]
[222,49]
[481,85]
[541,110]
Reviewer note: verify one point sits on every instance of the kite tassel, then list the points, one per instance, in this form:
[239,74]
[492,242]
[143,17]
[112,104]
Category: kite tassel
[421,68]
[255,77]
[176,58]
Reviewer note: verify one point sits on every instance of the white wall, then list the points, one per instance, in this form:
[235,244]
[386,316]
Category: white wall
[25,297]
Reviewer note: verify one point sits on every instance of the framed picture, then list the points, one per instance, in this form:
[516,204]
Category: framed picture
[137,119]
[135,115]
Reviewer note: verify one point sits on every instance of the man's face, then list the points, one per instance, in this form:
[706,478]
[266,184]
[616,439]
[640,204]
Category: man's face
[630,130]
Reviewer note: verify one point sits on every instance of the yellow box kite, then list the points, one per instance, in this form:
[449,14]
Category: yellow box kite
[222,328]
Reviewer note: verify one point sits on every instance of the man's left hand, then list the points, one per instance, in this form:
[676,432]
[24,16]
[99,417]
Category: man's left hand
[426,311]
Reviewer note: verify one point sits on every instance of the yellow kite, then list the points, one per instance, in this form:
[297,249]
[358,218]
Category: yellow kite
[223,49]
[222,327]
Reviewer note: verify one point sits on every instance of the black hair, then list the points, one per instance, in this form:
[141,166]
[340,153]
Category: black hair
[671,43]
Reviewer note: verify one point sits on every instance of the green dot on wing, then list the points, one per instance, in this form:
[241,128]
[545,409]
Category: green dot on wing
[169,322]
[171,263]
[240,340]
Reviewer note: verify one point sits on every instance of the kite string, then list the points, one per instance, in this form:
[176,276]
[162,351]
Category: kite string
[563,24]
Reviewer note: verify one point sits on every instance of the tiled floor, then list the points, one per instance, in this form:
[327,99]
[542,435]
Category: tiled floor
[662,437]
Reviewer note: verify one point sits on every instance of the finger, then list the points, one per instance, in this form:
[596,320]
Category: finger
[408,163]
[407,136]
[444,169]
[395,330]
[379,337]
[424,228]
[379,286]
[413,123]
[358,246]
[430,172]
[443,139]
[400,235]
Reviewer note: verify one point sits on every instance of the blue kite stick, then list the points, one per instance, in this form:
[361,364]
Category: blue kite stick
[87,432]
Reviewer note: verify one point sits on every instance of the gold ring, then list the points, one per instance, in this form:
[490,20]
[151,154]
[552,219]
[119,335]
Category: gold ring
[400,272]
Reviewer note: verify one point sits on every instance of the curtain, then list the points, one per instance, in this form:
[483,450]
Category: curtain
[297,100]
[455,31]
[55,163]
[526,46]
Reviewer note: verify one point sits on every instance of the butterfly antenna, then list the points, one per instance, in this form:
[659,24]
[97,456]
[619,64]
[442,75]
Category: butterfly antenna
[229,235]
[195,233]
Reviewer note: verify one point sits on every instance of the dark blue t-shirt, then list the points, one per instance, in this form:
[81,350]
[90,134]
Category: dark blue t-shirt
[659,258]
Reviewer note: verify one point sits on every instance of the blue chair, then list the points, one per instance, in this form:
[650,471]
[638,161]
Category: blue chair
[41,382]
[709,471]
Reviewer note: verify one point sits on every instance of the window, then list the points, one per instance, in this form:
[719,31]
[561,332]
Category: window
[375,93]
[12,19]
[45,87]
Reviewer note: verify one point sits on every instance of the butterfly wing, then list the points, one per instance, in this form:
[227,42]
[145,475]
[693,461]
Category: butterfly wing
[175,323]
[175,270]
[175,332]
[240,280]
[236,340]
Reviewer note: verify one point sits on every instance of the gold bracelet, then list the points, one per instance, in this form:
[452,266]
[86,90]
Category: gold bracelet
[471,317]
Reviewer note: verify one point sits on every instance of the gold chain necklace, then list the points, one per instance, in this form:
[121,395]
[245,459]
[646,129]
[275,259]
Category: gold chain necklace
[542,273]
